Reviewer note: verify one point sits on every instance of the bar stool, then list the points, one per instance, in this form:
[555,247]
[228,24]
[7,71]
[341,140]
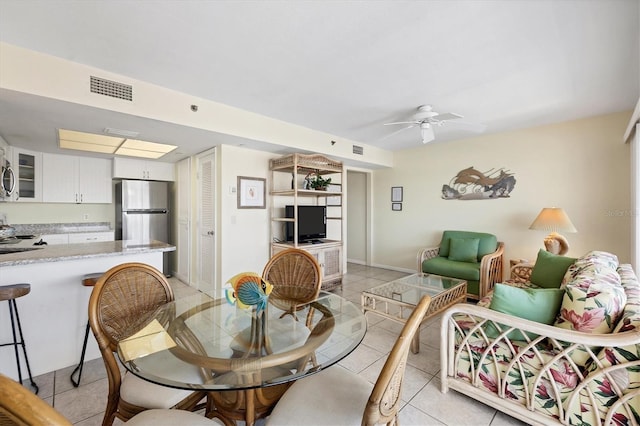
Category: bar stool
[88,280]
[10,293]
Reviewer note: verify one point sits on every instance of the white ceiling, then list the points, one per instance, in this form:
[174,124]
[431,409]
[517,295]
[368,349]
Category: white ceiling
[341,67]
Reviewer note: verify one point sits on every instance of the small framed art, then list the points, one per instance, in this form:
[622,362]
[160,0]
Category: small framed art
[251,192]
[396,194]
[396,206]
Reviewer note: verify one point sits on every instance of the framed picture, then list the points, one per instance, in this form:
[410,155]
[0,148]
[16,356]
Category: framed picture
[251,192]
[396,206]
[396,194]
[337,199]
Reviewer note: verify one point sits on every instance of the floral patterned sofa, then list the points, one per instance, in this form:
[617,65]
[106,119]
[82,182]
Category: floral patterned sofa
[578,366]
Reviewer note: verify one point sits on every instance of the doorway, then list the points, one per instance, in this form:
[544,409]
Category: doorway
[358,217]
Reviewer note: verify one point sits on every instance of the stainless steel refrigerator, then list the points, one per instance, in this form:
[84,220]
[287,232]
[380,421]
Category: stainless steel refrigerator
[142,214]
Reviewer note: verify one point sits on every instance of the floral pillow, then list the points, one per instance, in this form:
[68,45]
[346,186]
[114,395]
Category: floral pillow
[592,303]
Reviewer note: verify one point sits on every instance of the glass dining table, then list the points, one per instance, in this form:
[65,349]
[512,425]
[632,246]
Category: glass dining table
[245,359]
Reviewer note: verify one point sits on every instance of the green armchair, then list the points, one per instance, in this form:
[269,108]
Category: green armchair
[475,257]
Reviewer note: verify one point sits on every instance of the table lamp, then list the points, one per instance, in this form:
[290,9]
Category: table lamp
[554,219]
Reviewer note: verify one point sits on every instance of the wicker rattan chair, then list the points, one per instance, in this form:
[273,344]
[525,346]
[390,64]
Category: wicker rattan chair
[342,397]
[126,295]
[19,406]
[296,279]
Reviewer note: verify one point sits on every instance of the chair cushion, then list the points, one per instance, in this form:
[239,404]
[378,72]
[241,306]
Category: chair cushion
[450,268]
[535,304]
[549,269]
[142,393]
[335,396]
[464,249]
[171,417]
[488,243]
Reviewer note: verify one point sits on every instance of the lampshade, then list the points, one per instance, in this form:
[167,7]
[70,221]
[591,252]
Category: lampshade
[554,219]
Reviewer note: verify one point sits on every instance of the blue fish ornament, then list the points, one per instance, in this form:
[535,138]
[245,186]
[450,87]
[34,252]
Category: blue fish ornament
[248,289]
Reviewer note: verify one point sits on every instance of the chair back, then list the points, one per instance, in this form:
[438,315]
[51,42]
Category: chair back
[18,405]
[296,278]
[384,402]
[122,299]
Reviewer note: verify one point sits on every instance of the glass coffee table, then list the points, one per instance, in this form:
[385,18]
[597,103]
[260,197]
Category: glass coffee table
[396,300]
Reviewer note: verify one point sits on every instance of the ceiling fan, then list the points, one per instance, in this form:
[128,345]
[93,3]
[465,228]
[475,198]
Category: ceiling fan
[426,118]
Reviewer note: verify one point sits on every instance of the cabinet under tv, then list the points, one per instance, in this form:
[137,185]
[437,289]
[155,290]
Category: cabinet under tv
[328,253]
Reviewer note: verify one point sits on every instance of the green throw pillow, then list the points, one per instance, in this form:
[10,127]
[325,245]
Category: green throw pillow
[535,304]
[549,269]
[464,249]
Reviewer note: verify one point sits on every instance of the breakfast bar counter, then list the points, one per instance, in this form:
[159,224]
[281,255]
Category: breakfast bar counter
[54,313]
[65,252]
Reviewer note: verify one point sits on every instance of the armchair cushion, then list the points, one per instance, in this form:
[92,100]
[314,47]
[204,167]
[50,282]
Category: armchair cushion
[449,268]
[464,249]
[549,269]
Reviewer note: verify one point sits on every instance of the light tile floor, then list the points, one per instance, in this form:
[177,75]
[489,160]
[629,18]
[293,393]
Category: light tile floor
[424,404]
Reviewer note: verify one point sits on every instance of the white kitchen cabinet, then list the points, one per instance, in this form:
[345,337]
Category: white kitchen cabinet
[70,179]
[27,166]
[128,168]
[91,237]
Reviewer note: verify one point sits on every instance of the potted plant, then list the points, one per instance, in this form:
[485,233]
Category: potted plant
[319,183]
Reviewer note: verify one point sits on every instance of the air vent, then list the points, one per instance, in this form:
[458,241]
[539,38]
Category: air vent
[358,150]
[111,88]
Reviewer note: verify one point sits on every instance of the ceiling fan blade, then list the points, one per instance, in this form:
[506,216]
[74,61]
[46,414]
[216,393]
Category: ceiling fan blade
[402,122]
[447,116]
[470,127]
[398,131]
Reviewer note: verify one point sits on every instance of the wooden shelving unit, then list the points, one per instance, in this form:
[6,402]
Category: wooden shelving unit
[287,177]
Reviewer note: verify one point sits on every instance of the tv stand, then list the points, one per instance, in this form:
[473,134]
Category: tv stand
[287,187]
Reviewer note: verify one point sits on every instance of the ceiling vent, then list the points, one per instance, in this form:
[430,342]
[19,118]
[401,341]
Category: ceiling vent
[358,150]
[110,88]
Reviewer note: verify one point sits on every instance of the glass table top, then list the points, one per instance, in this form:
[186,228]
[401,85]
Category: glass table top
[200,343]
[410,289]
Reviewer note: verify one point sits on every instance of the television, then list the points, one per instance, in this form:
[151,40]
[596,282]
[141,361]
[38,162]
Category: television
[312,223]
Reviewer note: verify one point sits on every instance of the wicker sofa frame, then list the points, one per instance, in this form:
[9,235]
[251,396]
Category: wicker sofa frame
[463,327]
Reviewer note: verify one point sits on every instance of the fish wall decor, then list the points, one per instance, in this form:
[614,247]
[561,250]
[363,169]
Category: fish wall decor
[472,184]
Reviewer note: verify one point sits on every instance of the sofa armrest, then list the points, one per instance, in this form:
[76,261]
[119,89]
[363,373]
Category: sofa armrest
[426,253]
[463,338]
[491,270]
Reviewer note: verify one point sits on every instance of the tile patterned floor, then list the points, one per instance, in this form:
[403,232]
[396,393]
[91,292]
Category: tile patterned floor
[424,404]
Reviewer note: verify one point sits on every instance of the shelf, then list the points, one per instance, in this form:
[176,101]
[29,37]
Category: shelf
[306,163]
[305,192]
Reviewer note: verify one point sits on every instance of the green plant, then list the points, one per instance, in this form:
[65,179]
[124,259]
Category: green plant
[318,182]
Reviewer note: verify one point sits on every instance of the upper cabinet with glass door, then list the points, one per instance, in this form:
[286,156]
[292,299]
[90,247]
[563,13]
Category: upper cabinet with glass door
[27,166]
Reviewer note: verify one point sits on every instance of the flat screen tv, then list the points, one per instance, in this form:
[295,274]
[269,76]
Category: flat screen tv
[312,223]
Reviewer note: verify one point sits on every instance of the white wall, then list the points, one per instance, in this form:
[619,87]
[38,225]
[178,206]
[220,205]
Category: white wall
[22,213]
[243,233]
[356,217]
[581,166]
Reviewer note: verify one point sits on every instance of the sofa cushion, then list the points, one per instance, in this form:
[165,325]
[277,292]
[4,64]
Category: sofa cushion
[535,304]
[488,242]
[464,249]
[549,269]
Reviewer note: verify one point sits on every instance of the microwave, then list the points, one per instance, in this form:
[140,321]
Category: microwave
[7,177]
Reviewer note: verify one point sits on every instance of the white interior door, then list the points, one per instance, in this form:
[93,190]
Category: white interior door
[206,225]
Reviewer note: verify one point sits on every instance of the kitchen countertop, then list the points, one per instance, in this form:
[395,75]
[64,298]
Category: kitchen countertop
[57,253]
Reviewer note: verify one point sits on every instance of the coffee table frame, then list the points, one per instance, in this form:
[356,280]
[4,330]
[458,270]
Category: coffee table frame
[441,299]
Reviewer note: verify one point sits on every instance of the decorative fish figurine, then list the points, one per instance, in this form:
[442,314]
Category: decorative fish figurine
[248,289]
